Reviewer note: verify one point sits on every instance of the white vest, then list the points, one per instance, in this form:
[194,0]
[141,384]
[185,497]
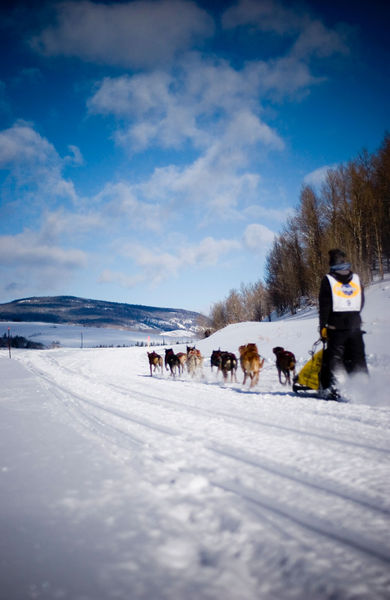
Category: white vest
[346,296]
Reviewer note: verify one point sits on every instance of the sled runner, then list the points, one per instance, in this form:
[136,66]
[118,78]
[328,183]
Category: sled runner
[313,378]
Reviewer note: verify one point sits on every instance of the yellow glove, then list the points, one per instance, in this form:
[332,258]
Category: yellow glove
[324,333]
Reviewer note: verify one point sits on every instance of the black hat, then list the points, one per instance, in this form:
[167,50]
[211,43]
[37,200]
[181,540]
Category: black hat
[337,257]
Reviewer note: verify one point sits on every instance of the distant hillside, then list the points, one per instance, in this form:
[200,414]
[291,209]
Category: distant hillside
[98,313]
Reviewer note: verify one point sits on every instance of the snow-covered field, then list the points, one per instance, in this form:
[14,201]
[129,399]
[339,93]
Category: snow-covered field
[76,336]
[116,485]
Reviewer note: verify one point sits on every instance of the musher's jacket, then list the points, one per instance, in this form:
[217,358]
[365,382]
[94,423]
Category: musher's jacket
[341,299]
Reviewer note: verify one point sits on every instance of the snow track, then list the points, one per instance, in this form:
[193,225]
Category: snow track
[191,488]
[307,479]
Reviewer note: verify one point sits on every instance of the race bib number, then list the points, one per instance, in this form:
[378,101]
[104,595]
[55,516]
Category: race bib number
[346,296]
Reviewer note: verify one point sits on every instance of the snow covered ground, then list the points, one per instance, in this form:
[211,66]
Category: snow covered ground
[116,485]
[76,336]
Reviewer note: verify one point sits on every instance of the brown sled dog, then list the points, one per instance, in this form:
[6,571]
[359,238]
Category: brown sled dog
[155,362]
[285,364]
[229,364]
[216,359]
[251,363]
[172,362]
[194,360]
[182,356]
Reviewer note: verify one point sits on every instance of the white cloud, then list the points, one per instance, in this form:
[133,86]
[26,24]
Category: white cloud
[195,103]
[157,265]
[20,144]
[316,40]
[210,105]
[216,109]
[114,209]
[285,76]
[246,129]
[30,265]
[75,157]
[273,213]
[208,186]
[208,252]
[265,15]
[139,95]
[195,100]
[215,183]
[317,177]
[27,250]
[309,36]
[155,112]
[64,223]
[33,161]
[119,201]
[258,238]
[134,34]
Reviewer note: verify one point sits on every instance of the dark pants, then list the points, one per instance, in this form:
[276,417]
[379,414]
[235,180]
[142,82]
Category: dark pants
[345,350]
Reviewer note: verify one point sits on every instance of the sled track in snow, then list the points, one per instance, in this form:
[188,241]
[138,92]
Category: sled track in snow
[292,475]
[82,405]
[313,523]
[156,400]
[93,416]
[95,424]
[344,536]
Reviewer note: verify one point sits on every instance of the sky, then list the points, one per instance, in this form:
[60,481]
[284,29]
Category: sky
[151,150]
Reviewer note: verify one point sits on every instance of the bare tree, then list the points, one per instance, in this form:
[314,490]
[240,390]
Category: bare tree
[381,184]
[254,300]
[310,220]
[284,274]
[351,211]
[218,316]
[235,310]
[333,198]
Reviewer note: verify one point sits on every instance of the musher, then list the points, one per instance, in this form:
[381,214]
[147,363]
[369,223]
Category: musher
[341,299]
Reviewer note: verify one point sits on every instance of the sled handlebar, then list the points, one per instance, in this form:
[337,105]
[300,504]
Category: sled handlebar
[316,343]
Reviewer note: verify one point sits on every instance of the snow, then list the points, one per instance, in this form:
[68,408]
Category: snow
[118,485]
[75,336]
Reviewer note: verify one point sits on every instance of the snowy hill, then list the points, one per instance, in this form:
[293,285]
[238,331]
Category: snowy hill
[115,484]
[99,313]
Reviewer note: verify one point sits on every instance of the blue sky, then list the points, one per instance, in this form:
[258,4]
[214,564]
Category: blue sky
[151,150]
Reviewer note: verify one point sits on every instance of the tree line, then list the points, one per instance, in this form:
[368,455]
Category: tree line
[18,341]
[351,210]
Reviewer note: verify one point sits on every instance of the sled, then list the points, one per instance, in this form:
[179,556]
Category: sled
[308,377]
[313,378]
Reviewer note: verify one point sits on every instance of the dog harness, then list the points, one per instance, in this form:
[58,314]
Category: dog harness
[346,296]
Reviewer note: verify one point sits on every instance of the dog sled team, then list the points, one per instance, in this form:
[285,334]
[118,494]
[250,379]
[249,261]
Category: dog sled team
[192,361]
[341,299]
[225,362]
[309,379]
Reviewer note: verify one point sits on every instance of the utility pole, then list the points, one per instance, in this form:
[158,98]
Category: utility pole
[9,341]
